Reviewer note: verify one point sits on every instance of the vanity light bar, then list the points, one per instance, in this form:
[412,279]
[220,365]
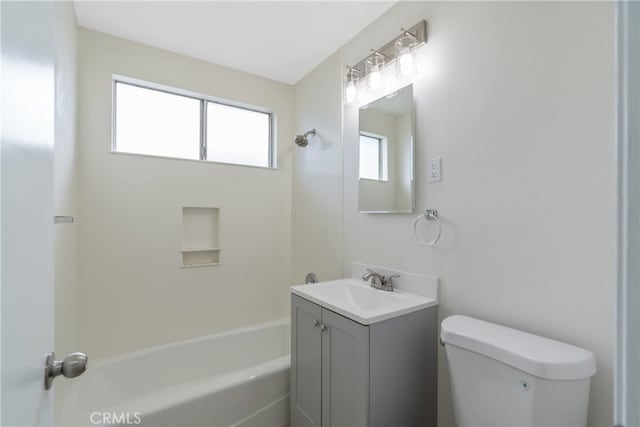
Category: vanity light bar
[419,31]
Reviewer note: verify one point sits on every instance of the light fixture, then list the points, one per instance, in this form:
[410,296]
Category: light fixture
[405,62]
[400,50]
[350,89]
[373,66]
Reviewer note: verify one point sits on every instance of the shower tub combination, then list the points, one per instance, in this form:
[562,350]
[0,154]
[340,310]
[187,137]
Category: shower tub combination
[238,378]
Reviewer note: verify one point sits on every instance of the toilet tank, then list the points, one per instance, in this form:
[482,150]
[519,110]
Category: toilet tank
[505,377]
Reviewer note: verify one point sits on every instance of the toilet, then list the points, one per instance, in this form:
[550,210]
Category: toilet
[505,377]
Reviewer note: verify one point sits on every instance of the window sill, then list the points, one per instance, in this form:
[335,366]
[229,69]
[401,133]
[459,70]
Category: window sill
[192,160]
[207,264]
[373,180]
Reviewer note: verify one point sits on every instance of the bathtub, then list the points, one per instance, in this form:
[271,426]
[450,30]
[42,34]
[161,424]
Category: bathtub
[238,378]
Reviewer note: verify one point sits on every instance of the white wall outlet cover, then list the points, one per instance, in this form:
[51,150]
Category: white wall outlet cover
[434,170]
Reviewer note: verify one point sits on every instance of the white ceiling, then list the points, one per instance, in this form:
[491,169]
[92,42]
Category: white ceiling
[279,40]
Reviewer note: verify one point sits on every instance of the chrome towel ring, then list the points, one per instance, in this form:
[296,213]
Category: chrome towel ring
[429,215]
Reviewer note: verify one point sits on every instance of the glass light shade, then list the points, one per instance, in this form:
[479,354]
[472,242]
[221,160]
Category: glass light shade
[374,66]
[350,92]
[405,61]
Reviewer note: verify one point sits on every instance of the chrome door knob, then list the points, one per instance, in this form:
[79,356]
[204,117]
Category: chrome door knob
[70,367]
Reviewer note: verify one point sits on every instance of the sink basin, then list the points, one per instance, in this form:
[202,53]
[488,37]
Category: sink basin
[358,301]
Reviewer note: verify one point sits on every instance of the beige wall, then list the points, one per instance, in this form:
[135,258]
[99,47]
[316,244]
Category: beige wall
[317,178]
[518,100]
[129,221]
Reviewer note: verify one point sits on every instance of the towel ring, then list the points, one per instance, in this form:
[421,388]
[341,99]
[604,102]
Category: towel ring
[429,215]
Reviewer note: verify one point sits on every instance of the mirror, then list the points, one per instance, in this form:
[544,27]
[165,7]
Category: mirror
[386,154]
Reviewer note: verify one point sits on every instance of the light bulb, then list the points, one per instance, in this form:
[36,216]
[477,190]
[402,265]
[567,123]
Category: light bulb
[350,92]
[407,67]
[375,80]
[374,66]
[405,62]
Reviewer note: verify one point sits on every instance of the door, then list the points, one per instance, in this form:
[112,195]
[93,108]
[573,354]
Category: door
[26,233]
[345,371]
[306,364]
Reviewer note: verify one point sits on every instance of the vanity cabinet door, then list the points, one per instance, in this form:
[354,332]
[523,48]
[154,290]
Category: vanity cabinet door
[345,371]
[306,363]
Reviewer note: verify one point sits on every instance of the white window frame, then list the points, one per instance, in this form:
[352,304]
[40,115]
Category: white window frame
[203,99]
[382,143]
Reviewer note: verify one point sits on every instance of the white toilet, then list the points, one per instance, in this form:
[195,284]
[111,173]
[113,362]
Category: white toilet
[504,377]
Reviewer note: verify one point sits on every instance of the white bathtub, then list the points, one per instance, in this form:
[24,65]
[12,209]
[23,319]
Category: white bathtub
[238,378]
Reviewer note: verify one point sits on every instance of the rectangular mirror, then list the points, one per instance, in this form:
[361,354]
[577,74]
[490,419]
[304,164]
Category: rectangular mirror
[386,154]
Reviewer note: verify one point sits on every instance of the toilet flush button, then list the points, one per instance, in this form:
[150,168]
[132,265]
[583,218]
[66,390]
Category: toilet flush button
[525,385]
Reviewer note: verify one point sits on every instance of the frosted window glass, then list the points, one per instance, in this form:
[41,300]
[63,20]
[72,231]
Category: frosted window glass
[236,135]
[157,123]
[369,157]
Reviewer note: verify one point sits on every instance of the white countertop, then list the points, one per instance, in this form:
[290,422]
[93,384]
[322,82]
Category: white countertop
[357,300]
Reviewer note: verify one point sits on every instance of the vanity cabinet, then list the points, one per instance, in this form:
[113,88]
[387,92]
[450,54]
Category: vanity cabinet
[345,374]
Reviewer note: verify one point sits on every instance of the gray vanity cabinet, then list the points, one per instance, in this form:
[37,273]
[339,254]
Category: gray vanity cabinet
[306,363]
[344,374]
[329,367]
[345,371]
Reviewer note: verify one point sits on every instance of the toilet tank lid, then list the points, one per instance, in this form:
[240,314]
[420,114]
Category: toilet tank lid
[536,355]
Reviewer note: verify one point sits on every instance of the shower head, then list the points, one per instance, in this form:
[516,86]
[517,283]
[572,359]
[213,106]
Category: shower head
[302,141]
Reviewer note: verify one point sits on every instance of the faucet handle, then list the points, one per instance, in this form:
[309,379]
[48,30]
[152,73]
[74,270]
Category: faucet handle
[389,281]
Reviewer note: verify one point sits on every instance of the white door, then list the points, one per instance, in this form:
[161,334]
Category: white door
[26,171]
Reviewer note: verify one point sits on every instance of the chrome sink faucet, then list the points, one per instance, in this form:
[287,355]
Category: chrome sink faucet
[379,281]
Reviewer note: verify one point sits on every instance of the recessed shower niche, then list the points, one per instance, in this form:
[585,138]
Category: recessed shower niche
[200,237]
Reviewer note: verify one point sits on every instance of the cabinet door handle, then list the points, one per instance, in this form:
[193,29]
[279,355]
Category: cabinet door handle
[322,328]
[316,323]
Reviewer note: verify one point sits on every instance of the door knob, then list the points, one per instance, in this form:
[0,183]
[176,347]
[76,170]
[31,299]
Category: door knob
[71,366]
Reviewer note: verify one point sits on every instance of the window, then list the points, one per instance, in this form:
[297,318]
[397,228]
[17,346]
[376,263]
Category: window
[236,135]
[171,123]
[157,123]
[373,157]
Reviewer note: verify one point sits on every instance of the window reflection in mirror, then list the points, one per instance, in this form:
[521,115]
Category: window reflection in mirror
[386,154]
[373,156]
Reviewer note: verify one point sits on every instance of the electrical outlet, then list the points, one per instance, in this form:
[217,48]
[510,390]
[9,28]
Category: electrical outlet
[435,167]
